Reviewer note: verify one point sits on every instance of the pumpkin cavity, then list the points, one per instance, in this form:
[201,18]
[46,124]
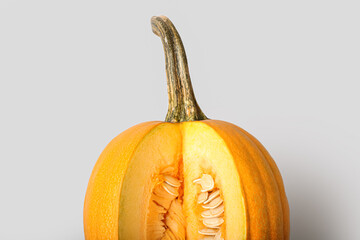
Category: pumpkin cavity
[166,218]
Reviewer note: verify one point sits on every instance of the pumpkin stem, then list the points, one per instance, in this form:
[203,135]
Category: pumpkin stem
[182,102]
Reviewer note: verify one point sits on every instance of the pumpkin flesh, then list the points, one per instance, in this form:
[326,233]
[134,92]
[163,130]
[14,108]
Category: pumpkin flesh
[205,151]
[159,149]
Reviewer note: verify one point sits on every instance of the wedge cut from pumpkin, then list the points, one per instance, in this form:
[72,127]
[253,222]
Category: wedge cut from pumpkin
[186,178]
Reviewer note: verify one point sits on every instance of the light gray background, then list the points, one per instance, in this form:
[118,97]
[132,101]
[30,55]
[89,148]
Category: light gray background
[74,74]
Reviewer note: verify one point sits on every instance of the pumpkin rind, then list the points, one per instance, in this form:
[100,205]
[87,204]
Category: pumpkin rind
[267,206]
[279,180]
[101,208]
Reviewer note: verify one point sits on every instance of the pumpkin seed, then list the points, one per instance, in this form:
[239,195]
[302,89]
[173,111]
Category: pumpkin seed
[161,192]
[213,222]
[170,189]
[206,182]
[202,197]
[207,238]
[212,196]
[214,203]
[172,181]
[218,236]
[208,231]
[215,212]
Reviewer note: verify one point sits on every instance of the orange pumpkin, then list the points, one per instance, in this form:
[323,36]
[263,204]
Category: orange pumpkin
[186,178]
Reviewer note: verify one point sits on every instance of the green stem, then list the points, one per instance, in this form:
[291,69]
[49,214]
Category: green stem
[182,102]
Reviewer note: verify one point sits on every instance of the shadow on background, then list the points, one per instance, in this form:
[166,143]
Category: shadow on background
[312,208]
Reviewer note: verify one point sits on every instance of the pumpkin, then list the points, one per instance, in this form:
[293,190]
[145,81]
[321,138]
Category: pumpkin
[187,177]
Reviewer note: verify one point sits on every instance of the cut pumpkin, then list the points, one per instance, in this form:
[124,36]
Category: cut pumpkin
[187,177]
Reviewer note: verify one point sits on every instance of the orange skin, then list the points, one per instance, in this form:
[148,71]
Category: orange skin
[266,206]
[264,218]
[101,208]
